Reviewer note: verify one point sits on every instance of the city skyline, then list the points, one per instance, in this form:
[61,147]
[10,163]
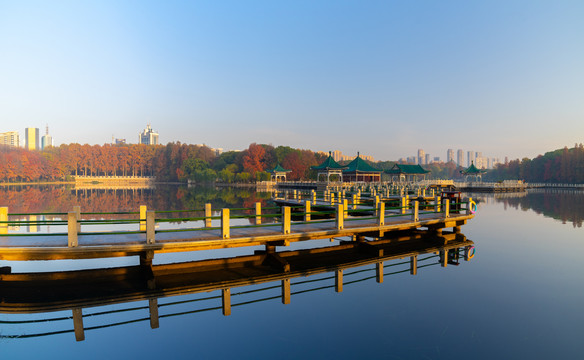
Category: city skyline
[381,78]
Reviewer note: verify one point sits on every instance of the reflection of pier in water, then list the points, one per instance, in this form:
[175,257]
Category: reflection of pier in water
[27,293]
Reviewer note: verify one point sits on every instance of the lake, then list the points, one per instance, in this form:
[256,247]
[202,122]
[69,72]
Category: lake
[520,296]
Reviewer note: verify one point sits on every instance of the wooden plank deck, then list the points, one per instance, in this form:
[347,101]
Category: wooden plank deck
[36,247]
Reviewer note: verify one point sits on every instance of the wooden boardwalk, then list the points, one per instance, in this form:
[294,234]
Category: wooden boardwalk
[79,245]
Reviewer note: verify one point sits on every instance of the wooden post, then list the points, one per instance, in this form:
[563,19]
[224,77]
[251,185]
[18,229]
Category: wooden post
[77,210]
[286,293]
[258,213]
[78,324]
[354,201]
[340,218]
[225,223]
[286,220]
[226,300]
[313,196]
[379,272]
[414,265]
[446,208]
[295,194]
[332,197]
[143,209]
[339,280]
[437,204]
[381,212]
[416,211]
[345,208]
[307,210]
[72,240]
[403,205]
[3,217]
[154,319]
[208,214]
[150,226]
[468,207]
[376,203]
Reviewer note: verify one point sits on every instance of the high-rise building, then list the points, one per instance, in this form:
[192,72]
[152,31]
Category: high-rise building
[10,138]
[148,136]
[421,156]
[450,155]
[460,157]
[470,157]
[427,159]
[31,138]
[46,140]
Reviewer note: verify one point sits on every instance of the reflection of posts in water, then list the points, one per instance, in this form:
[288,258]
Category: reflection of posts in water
[339,280]
[226,301]
[3,220]
[154,319]
[78,324]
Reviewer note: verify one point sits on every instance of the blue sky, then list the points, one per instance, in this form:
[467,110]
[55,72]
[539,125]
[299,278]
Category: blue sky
[381,77]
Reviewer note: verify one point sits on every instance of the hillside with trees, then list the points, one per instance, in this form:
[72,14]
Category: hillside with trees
[559,166]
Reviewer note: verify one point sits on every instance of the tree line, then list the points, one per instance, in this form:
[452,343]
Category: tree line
[560,166]
[171,162]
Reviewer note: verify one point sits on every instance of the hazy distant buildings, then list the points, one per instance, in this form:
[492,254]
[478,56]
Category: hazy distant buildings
[31,138]
[148,136]
[10,138]
[459,157]
[427,159]
[46,140]
[421,156]
[338,156]
[450,155]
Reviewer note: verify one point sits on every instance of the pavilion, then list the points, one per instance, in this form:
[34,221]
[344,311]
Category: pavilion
[329,167]
[279,173]
[359,170]
[406,173]
[473,171]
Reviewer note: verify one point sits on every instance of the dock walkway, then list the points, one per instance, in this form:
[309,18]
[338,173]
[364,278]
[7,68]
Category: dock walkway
[76,244]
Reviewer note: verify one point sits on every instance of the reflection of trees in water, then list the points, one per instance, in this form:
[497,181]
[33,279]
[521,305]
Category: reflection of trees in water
[564,205]
[50,198]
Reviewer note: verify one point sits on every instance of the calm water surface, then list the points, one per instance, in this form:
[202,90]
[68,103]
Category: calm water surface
[519,297]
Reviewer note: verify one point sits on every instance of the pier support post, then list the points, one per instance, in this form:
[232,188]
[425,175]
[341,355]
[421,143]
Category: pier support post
[381,212]
[376,204]
[414,265]
[226,301]
[150,226]
[354,201]
[72,240]
[446,208]
[295,194]
[225,223]
[437,204]
[403,205]
[78,324]
[77,210]
[379,272]
[332,197]
[340,218]
[154,319]
[313,196]
[339,280]
[143,209]
[307,210]
[416,211]
[3,220]
[286,293]
[468,206]
[258,213]
[208,214]
[286,220]
[345,208]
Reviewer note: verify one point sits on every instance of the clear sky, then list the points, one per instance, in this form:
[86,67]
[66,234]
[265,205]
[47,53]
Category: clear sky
[381,77]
